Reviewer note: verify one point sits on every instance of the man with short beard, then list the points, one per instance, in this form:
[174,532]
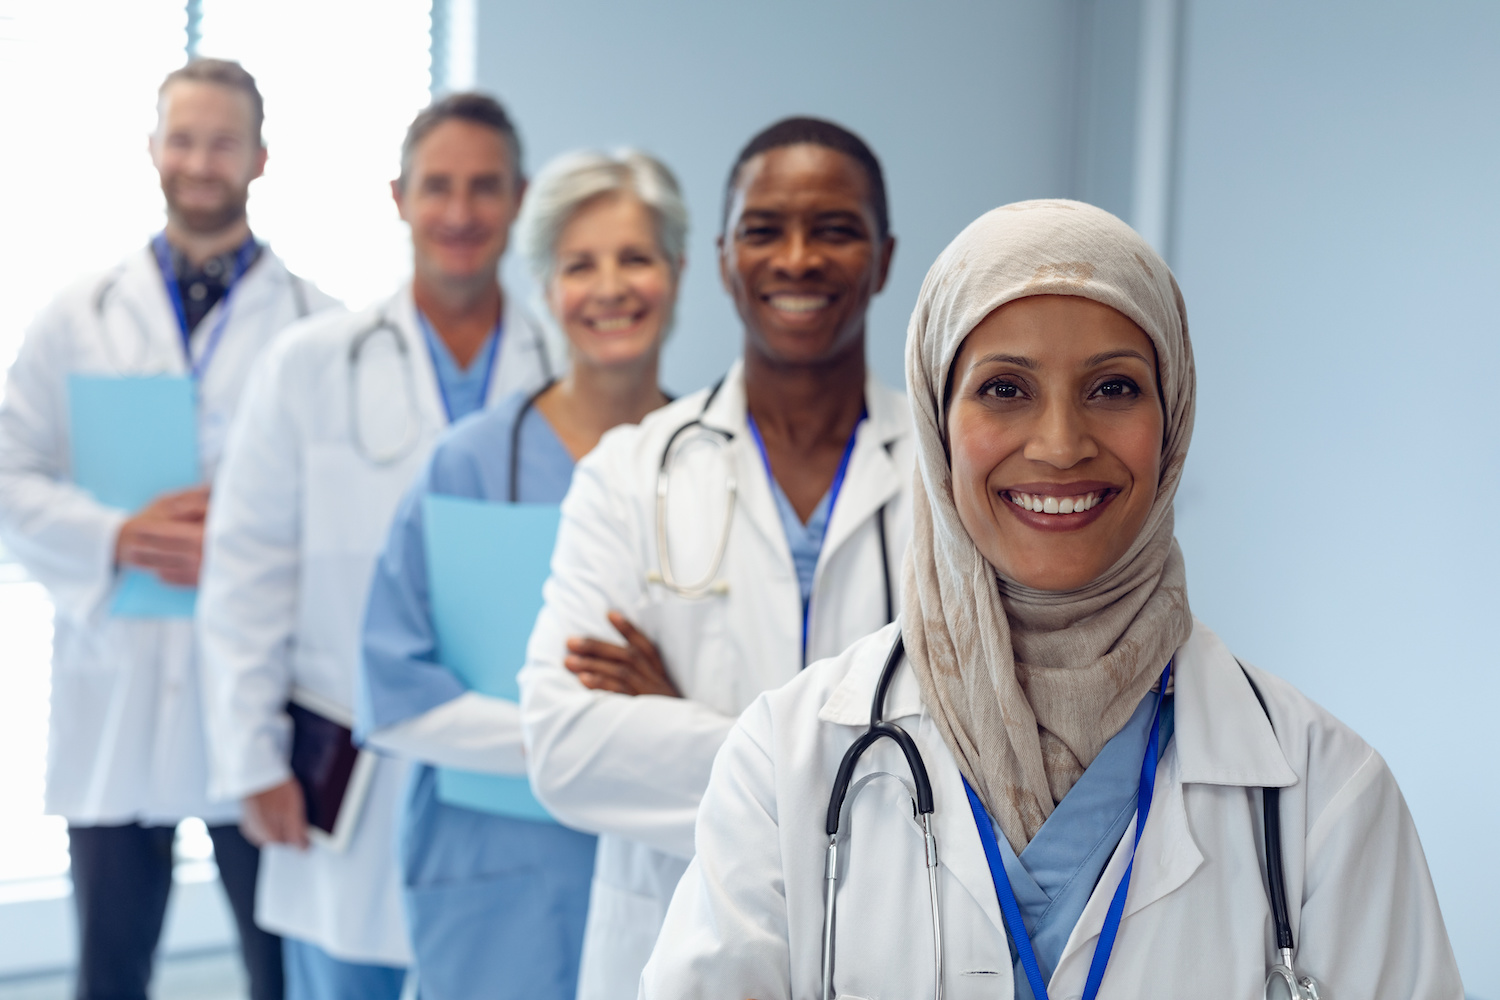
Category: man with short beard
[126,756]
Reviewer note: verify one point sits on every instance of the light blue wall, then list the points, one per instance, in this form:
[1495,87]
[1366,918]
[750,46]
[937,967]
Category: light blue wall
[1338,244]
[968,105]
[1337,236]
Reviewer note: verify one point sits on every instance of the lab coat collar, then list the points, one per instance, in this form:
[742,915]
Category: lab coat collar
[139,279]
[872,477]
[400,310]
[1221,737]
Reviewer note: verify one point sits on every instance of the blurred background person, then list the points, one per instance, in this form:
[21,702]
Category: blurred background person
[126,758]
[730,539]
[337,425]
[496,903]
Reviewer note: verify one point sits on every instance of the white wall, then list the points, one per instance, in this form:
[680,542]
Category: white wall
[1338,214]
[968,106]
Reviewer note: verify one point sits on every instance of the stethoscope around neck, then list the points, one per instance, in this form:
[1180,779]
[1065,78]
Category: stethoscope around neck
[412,435]
[1282,980]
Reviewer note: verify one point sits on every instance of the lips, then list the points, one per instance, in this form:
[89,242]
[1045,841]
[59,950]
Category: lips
[1059,506]
[614,324]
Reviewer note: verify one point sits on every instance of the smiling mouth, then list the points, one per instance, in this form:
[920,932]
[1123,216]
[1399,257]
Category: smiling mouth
[615,324]
[799,304]
[1040,504]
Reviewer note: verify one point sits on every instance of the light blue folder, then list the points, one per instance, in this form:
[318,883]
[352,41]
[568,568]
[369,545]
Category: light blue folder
[134,439]
[486,563]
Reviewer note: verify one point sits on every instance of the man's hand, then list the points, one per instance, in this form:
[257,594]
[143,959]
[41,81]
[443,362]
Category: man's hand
[166,537]
[634,668]
[277,815]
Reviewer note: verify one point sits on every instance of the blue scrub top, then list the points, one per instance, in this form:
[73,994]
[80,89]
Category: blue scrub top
[1056,873]
[495,904]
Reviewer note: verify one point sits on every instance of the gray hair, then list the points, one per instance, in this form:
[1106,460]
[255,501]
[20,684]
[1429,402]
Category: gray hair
[572,180]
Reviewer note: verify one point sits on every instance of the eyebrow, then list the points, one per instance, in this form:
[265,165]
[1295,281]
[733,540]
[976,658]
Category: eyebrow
[1030,364]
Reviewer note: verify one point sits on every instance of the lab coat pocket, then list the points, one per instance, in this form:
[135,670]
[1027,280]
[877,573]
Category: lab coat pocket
[515,933]
[349,500]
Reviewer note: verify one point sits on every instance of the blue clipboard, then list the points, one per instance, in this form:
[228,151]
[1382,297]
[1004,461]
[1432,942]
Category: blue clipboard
[133,439]
[486,563]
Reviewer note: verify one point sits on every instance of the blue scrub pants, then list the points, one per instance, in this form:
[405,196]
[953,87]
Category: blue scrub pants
[313,974]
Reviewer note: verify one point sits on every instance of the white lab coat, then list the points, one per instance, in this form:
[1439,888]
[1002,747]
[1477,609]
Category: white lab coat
[633,769]
[748,916]
[126,733]
[299,518]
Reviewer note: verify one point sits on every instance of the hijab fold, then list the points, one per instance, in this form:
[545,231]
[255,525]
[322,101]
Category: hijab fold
[1026,686]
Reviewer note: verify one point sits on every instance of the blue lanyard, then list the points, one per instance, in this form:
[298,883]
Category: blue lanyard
[833,498]
[1012,910]
[242,260]
[430,335]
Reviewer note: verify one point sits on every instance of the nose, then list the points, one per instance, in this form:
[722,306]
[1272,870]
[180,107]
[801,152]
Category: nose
[1061,437]
[610,287]
[798,256]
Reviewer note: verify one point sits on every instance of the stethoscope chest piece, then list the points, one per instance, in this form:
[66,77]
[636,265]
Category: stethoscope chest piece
[1283,983]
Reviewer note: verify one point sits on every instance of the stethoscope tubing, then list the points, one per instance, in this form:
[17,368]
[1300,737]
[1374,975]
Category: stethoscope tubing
[1300,987]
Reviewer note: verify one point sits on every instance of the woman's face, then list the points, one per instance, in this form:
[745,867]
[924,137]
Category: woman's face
[612,289]
[1055,436]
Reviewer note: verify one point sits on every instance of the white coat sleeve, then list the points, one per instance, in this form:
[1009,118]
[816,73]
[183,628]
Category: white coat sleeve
[1369,893]
[473,731]
[62,535]
[248,598]
[726,934]
[599,761]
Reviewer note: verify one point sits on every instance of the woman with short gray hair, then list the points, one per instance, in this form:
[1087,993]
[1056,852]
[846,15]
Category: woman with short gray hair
[496,893]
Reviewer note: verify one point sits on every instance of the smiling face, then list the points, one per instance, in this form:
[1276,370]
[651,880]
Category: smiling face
[801,256]
[1055,438]
[460,196]
[206,152]
[612,289]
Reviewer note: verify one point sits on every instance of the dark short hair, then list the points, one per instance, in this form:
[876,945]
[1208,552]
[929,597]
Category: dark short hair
[476,108]
[225,73]
[818,132]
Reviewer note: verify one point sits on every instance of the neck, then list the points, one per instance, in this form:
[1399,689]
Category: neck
[590,399]
[199,247]
[806,407]
[462,314]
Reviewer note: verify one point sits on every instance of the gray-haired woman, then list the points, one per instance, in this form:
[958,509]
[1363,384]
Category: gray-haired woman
[497,903]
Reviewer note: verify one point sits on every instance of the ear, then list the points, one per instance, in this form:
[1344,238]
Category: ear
[399,197]
[887,251]
[723,264]
[259,169]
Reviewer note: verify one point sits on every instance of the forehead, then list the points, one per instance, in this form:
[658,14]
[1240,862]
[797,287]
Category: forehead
[611,219]
[200,103]
[802,178]
[456,146]
[1057,330]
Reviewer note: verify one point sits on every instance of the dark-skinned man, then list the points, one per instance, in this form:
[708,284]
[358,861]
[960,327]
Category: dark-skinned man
[730,539]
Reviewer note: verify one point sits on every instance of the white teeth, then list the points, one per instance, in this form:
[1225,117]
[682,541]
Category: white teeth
[614,323]
[799,303]
[1054,505]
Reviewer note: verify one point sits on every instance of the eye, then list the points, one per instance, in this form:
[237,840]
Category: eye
[759,233]
[840,233]
[1002,387]
[1117,387]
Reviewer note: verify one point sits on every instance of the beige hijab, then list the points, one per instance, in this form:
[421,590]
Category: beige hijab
[1027,686]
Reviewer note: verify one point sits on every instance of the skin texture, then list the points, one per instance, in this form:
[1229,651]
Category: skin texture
[612,292]
[460,198]
[206,153]
[800,225]
[1049,395]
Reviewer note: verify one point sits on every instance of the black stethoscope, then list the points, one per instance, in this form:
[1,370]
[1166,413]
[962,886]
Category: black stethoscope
[681,439]
[1282,974]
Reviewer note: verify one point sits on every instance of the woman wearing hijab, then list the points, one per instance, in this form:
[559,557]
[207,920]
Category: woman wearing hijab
[1057,687]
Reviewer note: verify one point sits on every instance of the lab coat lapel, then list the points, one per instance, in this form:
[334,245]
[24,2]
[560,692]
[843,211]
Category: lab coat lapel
[960,850]
[1221,736]
[402,310]
[142,325]
[872,479]
[727,413]
[525,362]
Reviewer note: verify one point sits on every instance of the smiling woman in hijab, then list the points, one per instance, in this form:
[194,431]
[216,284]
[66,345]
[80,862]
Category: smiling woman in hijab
[1058,688]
